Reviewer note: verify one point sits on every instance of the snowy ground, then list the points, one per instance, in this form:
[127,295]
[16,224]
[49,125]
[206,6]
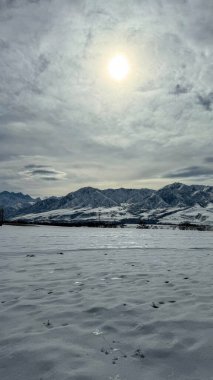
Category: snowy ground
[121,304]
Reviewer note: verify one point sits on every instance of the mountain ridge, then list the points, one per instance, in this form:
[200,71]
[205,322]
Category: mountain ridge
[89,202]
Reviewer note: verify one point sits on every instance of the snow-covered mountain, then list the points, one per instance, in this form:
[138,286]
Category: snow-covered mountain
[124,204]
[13,202]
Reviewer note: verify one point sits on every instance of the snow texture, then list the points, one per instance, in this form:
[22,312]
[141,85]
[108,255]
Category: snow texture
[111,304]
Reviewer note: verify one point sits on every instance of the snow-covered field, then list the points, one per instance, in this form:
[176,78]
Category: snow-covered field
[118,304]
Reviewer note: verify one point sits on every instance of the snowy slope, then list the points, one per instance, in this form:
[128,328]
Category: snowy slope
[115,213]
[196,215]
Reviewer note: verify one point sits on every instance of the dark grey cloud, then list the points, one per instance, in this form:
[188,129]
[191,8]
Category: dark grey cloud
[34,166]
[50,179]
[6,3]
[43,172]
[206,101]
[180,89]
[64,123]
[3,44]
[16,3]
[43,63]
[209,159]
[191,171]
[35,1]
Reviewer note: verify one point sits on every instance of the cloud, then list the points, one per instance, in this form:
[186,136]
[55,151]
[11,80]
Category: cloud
[209,159]
[191,171]
[34,166]
[206,101]
[43,172]
[50,179]
[43,63]
[61,117]
[3,44]
[180,89]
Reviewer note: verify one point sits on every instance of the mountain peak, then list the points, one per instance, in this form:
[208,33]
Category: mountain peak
[175,185]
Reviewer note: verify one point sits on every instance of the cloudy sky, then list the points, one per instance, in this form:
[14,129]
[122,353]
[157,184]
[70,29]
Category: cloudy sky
[65,123]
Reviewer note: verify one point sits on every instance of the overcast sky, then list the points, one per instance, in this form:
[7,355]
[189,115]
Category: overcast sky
[65,124]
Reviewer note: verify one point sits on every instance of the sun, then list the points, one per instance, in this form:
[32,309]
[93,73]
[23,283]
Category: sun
[118,67]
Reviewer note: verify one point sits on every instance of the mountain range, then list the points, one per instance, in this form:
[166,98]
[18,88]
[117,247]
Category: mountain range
[193,202]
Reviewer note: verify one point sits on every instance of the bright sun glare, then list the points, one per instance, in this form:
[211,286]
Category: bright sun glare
[118,67]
